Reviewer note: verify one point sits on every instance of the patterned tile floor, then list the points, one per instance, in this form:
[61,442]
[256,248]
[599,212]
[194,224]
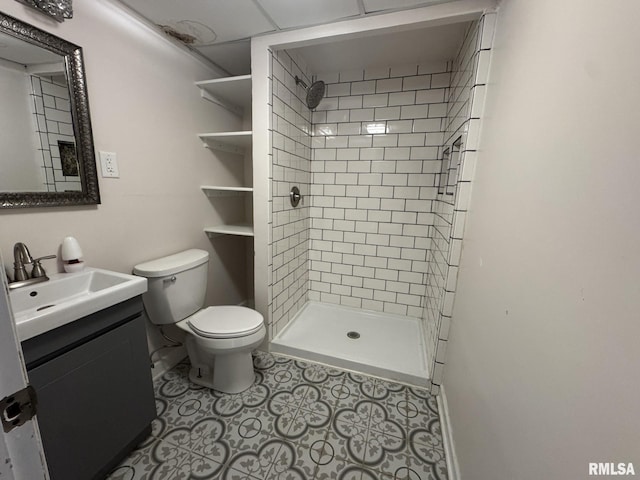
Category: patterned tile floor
[300,420]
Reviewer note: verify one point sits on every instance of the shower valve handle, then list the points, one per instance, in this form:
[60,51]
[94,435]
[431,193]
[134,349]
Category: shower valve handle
[295,196]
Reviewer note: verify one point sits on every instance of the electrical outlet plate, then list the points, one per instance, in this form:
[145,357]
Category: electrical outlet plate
[109,164]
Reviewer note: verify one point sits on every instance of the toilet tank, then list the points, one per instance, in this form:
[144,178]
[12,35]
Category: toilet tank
[176,285]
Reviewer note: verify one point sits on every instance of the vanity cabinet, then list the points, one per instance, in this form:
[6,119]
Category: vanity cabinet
[95,392]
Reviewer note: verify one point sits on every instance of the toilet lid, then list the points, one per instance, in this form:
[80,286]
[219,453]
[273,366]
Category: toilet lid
[225,322]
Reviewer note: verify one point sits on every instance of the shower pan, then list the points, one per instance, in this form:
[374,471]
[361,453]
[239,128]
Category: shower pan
[383,345]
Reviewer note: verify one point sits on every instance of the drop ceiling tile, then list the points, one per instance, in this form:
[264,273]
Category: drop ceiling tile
[378,5]
[299,13]
[209,21]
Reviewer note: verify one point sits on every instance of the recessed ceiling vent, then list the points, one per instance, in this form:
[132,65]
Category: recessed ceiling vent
[190,32]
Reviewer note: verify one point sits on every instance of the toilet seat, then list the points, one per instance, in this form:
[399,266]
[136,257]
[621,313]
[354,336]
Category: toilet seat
[225,322]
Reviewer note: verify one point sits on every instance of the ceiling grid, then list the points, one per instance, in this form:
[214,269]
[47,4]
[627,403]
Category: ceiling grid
[221,30]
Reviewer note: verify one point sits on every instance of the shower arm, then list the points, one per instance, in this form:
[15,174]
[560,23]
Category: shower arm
[299,81]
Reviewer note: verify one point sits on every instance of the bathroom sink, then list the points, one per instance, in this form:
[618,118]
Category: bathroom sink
[67,297]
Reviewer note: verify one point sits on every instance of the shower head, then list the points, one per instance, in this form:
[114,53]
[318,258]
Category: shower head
[314,93]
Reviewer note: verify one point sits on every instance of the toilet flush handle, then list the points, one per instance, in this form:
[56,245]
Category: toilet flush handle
[171,279]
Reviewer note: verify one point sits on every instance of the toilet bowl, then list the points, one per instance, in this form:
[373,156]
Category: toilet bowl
[220,349]
[219,339]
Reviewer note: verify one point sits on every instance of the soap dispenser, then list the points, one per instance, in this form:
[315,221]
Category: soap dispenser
[72,255]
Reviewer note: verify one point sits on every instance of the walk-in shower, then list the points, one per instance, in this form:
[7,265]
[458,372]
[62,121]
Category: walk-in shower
[363,271]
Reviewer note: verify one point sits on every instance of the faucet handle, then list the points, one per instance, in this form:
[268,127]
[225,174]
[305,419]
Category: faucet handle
[38,271]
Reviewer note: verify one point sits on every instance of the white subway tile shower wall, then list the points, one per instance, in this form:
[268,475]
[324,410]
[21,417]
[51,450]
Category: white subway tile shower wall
[464,106]
[52,112]
[291,154]
[375,157]
[374,232]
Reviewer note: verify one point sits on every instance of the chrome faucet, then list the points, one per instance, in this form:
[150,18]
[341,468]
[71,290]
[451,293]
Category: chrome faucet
[22,257]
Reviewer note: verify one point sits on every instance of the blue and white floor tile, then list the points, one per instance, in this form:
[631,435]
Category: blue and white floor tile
[299,421]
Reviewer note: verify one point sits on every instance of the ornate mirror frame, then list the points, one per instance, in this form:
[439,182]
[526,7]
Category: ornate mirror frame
[74,65]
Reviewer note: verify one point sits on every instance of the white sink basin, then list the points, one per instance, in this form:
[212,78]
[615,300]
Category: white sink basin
[66,297]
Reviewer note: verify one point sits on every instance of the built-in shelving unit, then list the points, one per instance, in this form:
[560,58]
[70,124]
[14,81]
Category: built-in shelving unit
[217,191]
[234,94]
[232,232]
[241,230]
[232,142]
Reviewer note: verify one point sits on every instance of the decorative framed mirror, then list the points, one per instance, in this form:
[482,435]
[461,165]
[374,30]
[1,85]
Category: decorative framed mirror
[47,157]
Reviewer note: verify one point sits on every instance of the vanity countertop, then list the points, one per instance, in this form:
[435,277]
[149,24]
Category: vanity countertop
[67,297]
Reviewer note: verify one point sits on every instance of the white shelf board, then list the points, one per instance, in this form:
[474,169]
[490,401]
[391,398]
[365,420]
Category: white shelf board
[242,230]
[229,92]
[234,142]
[218,191]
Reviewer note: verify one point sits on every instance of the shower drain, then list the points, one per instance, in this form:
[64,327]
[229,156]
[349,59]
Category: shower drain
[353,335]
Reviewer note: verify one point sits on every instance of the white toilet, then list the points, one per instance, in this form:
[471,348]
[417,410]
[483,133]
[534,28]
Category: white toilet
[219,339]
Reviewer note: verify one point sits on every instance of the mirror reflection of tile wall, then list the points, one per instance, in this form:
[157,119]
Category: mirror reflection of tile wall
[54,128]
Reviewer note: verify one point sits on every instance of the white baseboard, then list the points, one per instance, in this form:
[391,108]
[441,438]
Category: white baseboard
[453,469]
